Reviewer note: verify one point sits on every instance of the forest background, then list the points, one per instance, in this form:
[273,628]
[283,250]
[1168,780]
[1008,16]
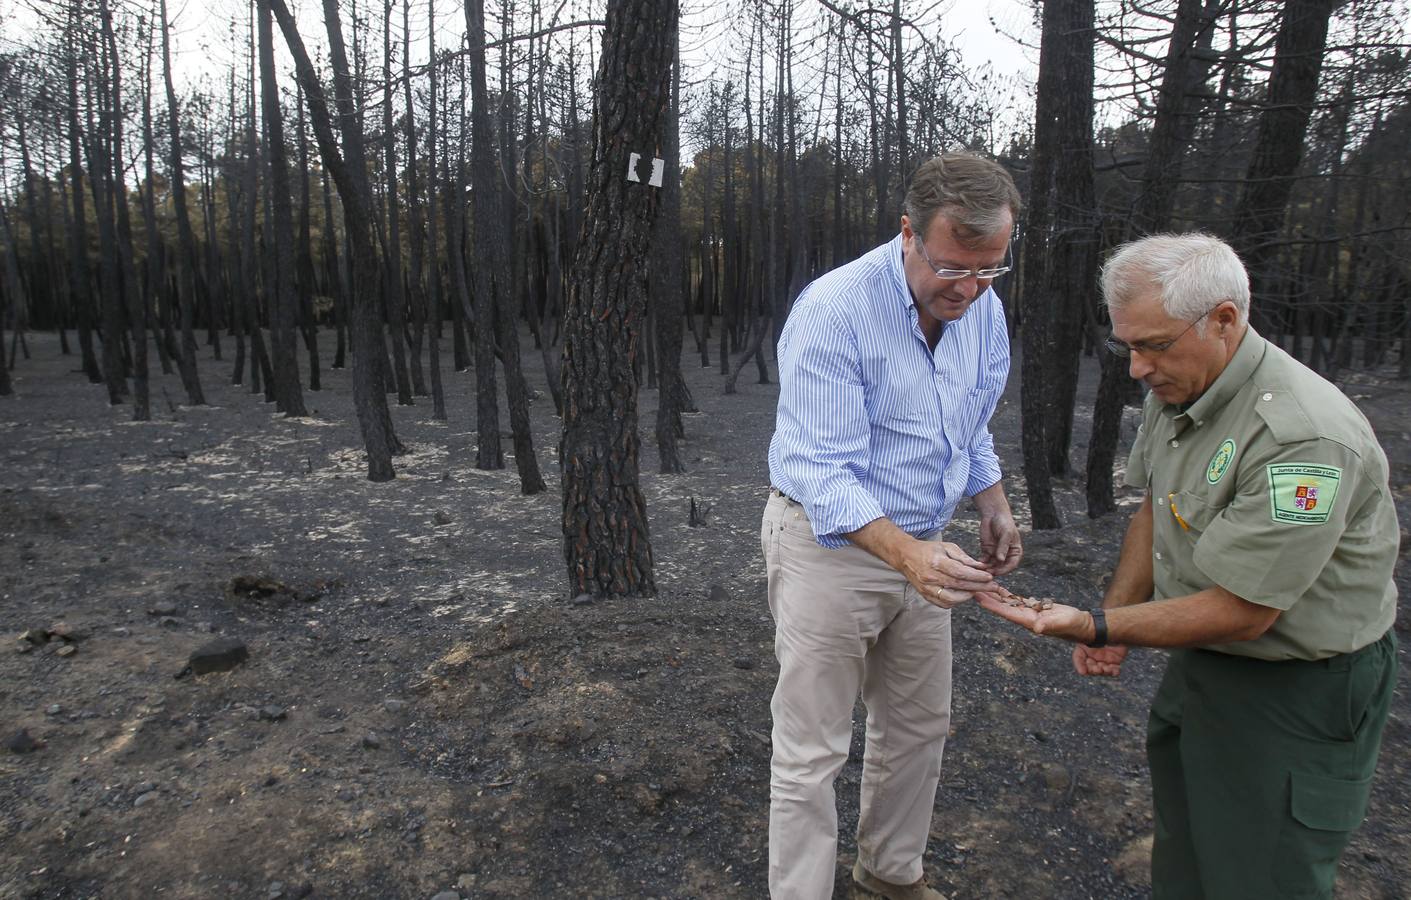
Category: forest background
[343,193]
[130,207]
[460,197]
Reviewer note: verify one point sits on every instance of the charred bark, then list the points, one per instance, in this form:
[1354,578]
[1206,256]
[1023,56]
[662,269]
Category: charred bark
[369,394]
[1059,247]
[284,304]
[1279,140]
[186,361]
[606,543]
[667,289]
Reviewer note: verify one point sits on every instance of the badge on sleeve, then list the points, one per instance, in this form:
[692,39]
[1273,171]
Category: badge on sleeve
[1220,462]
[1302,493]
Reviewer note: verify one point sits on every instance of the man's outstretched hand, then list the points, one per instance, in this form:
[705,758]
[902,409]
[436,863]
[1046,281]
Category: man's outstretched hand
[1067,622]
[1056,620]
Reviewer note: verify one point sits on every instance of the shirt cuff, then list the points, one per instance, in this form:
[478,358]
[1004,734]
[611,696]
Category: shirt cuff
[984,473]
[840,512]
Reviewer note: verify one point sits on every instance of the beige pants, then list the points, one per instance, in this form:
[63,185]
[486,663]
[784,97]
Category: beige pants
[845,621]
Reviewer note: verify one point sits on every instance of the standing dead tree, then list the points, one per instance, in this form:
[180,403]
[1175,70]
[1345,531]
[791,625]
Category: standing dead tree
[496,302]
[1059,245]
[186,361]
[668,293]
[288,393]
[1278,147]
[350,174]
[9,290]
[1184,71]
[606,542]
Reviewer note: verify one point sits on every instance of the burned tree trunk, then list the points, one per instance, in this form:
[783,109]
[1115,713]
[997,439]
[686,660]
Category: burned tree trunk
[305,281]
[667,295]
[606,544]
[1170,133]
[433,302]
[1058,245]
[497,305]
[100,178]
[80,286]
[415,290]
[135,298]
[392,269]
[187,299]
[288,393]
[369,394]
[491,263]
[1278,144]
[9,290]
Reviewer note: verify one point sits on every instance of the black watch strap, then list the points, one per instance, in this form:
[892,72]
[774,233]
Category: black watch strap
[1099,628]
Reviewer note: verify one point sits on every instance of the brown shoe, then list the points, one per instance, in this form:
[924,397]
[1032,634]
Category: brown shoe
[917,890]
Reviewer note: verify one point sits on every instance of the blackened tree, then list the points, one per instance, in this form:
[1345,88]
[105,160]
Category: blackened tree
[606,542]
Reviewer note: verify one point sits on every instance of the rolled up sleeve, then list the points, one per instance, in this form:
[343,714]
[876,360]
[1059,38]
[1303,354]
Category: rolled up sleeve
[820,454]
[984,462]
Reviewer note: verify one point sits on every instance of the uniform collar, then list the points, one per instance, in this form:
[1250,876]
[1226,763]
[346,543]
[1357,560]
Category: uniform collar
[1236,374]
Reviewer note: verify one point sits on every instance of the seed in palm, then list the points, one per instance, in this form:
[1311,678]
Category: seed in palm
[1038,604]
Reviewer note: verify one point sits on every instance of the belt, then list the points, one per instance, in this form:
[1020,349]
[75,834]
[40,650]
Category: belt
[1337,662]
[774,491]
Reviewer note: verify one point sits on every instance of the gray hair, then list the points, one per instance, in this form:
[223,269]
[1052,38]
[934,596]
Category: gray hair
[972,192]
[1194,273]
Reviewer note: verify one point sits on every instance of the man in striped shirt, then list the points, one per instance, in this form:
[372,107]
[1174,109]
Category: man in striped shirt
[889,369]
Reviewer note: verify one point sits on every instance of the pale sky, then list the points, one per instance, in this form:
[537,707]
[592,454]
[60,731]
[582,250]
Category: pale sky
[205,45]
[209,37]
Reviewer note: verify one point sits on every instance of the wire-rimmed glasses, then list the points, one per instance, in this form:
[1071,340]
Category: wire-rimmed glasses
[956,274]
[1123,349]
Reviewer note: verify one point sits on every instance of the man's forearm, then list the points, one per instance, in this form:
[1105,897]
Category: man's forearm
[1211,616]
[992,501]
[883,539]
[1132,581]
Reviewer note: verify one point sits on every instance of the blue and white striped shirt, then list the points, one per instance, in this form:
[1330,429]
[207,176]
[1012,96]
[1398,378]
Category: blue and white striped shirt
[871,422]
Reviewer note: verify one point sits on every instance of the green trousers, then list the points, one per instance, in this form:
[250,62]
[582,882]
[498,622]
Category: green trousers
[1260,771]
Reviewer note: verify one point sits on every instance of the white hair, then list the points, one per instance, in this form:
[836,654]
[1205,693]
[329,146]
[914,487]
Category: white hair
[1194,273]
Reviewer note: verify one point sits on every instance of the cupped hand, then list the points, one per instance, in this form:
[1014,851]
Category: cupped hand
[945,574]
[1000,545]
[1106,661]
[1057,621]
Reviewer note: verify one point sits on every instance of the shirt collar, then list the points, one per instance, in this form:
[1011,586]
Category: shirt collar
[894,259]
[1236,374]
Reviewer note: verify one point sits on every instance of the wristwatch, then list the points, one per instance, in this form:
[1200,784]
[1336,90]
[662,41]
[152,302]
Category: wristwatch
[1099,628]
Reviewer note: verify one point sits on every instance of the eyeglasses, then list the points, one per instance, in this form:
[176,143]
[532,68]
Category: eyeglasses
[955,274]
[1125,350]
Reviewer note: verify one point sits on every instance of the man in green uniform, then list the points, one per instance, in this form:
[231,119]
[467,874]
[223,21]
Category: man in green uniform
[1264,550]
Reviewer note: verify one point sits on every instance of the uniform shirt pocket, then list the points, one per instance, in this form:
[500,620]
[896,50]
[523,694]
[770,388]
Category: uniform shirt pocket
[1193,513]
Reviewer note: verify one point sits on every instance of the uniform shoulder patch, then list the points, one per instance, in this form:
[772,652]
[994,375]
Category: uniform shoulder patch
[1302,493]
[1220,462]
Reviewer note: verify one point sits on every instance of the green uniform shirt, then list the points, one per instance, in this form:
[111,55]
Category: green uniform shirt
[1273,486]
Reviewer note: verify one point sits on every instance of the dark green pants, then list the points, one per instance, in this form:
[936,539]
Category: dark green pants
[1260,771]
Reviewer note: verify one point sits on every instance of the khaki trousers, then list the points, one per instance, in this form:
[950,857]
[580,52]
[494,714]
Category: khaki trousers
[845,621]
